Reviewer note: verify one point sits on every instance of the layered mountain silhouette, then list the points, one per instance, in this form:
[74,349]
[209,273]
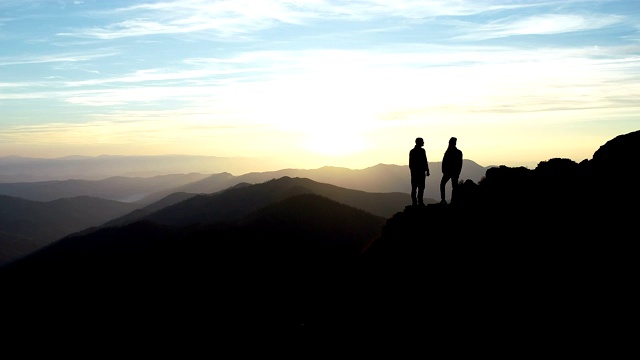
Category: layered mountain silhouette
[523,257]
[117,188]
[24,169]
[267,267]
[147,195]
[237,201]
[146,191]
[44,222]
[380,178]
[26,225]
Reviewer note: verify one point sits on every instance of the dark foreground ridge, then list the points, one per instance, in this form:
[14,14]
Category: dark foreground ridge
[525,257]
[529,257]
[460,271]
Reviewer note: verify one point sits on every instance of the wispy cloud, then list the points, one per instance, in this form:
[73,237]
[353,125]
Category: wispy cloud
[54,58]
[4,20]
[150,129]
[545,24]
[237,17]
[379,81]
[223,17]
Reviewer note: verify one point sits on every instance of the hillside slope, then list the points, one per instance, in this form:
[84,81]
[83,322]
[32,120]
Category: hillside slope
[238,201]
[33,224]
[268,269]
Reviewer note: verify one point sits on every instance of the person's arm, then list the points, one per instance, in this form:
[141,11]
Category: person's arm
[460,161]
[426,164]
[445,162]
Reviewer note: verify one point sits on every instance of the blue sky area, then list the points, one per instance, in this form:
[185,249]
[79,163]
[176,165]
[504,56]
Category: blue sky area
[308,83]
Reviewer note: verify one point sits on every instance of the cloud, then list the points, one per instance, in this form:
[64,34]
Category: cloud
[223,17]
[546,24]
[122,130]
[40,59]
[240,17]
[283,86]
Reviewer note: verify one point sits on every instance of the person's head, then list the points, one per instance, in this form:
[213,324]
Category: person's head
[453,141]
[419,141]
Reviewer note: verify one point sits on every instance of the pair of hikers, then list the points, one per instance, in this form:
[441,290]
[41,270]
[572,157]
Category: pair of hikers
[419,167]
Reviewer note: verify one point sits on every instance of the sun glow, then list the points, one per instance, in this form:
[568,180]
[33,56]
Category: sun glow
[335,141]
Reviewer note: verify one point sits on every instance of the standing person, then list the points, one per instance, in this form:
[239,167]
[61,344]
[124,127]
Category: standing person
[419,167]
[451,167]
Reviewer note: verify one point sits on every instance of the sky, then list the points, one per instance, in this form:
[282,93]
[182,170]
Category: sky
[311,83]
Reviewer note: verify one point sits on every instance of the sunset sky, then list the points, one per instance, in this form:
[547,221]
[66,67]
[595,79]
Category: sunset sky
[308,83]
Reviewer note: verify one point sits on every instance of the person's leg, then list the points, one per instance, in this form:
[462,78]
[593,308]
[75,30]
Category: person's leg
[443,183]
[421,191]
[454,187]
[414,186]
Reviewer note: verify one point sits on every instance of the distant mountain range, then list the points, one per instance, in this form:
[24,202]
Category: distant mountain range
[118,188]
[522,256]
[45,222]
[238,201]
[382,190]
[381,178]
[147,190]
[24,169]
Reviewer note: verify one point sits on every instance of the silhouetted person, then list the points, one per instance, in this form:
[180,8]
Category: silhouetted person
[419,168]
[451,167]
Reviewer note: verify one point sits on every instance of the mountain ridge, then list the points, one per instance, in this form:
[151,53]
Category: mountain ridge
[224,206]
[57,216]
[145,191]
[238,200]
